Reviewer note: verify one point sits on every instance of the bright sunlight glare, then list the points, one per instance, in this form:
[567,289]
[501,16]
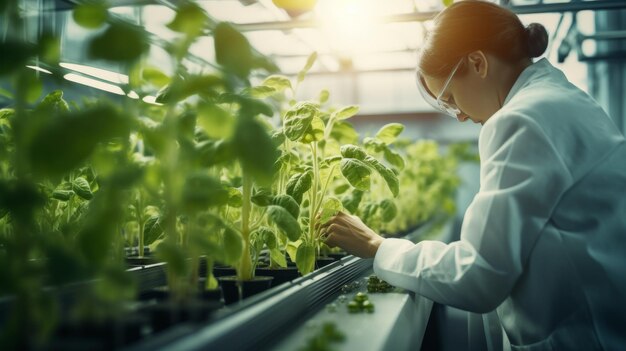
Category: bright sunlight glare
[348,24]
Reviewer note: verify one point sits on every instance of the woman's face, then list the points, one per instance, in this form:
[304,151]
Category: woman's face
[470,90]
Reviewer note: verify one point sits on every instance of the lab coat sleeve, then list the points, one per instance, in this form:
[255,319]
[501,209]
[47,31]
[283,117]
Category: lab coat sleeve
[522,179]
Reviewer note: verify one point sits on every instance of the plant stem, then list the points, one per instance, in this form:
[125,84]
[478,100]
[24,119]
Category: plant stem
[319,204]
[245,265]
[314,190]
[139,213]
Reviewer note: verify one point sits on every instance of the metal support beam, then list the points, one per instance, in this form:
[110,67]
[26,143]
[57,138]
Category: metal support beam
[572,6]
[606,35]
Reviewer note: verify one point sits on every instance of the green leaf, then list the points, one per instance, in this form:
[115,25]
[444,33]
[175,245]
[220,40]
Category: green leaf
[341,189]
[292,249]
[262,197]
[30,84]
[331,206]
[253,107]
[249,107]
[285,222]
[121,42]
[62,195]
[270,239]
[268,236]
[90,15]
[232,50]
[332,159]
[15,55]
[81,188]
[155,76]
[356,172]
[278,137]
[353,151]
[255,150]
[298,120]
[345,112]
[315,132]
[344,133]
[152,229]
[299,184]
[288,203]
[49,48]
[233,246]
[216,122]
[190,19]
[186,124]
[53,103]
[369,212]
[260,92]
[180,89]
[278,256]
[235,198]
[389,210]
[74,136]
[309,63]
[305,258]
[279,83]
[374,145]
[447,3]
[212,152]
[202,191]
[389,132]
[394,159]
[174,256]
[390,178]
[324,95]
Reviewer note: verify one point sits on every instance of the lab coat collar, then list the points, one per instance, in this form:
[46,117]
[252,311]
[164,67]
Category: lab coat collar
[539,68]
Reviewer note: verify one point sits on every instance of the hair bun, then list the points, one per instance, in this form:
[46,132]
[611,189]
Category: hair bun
[537,38]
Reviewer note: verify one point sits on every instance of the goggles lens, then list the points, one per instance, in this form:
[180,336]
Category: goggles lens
[438,104]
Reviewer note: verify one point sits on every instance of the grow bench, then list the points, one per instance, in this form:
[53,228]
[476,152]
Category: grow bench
[286,316]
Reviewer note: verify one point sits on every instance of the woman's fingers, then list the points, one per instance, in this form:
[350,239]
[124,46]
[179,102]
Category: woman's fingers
[333,234]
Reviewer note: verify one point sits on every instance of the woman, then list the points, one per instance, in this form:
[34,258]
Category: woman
[544,240]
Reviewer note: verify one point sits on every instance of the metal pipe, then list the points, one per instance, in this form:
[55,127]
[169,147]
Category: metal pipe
[606,35]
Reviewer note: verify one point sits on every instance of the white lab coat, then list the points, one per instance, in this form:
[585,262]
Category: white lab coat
[544,240]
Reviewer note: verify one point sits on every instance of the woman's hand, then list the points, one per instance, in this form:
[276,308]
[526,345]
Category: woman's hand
[351,234]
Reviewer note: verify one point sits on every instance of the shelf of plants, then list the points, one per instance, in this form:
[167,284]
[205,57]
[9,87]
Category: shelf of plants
[298,314]
[121,221]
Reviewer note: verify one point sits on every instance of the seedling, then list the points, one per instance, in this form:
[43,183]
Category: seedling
[360,303]
[376,285]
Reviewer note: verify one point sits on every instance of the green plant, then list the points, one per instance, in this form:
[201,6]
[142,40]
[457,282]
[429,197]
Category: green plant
[323,340]
[375,208]
[316,133]
[429,183]
[376,285]
[360,303]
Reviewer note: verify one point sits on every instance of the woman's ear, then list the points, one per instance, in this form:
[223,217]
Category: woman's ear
[477,62]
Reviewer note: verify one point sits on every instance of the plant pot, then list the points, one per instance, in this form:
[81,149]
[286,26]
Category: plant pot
[165,314]
[105,334]
[235,290]
[140,261]
[281,275]
[134,251]
[162,293]
[223,271]
[212,294]
[321,261]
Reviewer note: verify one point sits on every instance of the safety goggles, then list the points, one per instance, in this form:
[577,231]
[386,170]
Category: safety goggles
[448,108]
